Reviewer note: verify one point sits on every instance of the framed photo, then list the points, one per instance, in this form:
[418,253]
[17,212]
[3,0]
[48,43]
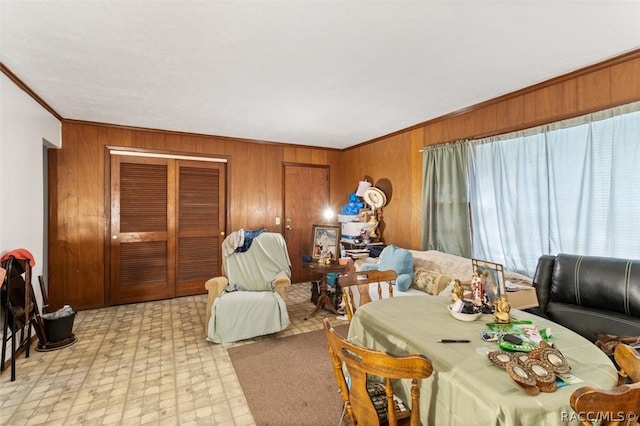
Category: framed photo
[492,278]
[326,239]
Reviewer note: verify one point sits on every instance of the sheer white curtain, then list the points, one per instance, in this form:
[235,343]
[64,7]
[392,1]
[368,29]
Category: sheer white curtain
[508,203]
[571,187]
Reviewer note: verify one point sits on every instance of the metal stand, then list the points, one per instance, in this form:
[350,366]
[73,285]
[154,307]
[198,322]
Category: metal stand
[16,296]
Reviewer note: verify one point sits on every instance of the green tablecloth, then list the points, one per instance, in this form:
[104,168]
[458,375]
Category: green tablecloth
[466,388]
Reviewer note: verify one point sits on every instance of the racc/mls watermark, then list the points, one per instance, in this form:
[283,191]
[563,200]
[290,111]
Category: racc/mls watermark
[595,416]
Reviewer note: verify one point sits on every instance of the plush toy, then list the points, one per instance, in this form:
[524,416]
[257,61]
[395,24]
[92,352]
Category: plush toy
[396,259]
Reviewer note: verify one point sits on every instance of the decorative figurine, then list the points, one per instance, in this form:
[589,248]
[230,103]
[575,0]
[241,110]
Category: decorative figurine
[501,313]
[373,225]
[327,259]
[457,292]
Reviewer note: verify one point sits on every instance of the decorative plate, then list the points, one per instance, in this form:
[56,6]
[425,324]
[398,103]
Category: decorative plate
[500,358]
[539,369]
[523,378]
[548,387]
[555,359]
[535,353]
[521,357]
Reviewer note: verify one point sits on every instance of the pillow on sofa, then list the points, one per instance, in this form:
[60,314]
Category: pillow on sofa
[396,259]
[431,282]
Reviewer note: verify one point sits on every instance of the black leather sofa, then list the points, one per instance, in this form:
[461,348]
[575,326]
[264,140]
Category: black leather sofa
[589,295]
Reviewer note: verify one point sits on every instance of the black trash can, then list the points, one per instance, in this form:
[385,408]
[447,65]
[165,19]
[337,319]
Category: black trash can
[57,329]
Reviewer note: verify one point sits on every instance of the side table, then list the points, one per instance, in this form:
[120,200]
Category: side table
[323,299]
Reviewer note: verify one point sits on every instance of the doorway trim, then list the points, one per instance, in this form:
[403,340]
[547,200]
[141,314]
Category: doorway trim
[170,156]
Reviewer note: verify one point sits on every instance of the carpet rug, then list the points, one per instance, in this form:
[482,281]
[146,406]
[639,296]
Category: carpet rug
[289,381]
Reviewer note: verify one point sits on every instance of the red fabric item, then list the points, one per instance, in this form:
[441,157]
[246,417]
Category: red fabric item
[22,254]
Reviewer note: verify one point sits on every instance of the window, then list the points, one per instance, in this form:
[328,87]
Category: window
[570,187]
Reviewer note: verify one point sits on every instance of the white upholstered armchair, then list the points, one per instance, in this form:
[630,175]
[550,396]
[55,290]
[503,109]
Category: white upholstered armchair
[248,300]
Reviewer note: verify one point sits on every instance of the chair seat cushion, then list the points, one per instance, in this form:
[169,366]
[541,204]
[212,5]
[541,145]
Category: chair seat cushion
[246,314]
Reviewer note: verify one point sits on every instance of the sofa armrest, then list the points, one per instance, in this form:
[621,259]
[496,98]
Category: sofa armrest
[215,287]
[536,311]
[280,284]
[542,280]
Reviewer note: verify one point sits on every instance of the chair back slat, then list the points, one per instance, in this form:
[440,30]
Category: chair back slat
[361,281]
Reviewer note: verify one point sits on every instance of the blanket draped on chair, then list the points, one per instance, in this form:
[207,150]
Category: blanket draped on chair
[256,268]
[258,309]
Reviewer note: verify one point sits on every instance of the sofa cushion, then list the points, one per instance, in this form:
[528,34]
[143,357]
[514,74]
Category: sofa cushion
[590,295]
[589,322]
[430,282]
[597,282]
[456,266]
[448,264]
[399,260]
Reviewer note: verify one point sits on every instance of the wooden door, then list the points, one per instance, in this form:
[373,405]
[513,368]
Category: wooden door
[200,224]
[306,197]
[142,221]
[167,220]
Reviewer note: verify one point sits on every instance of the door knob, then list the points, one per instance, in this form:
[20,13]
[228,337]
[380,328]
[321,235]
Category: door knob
[114,237]
[288,226]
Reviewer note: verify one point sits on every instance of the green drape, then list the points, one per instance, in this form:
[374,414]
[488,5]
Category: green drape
[445,208]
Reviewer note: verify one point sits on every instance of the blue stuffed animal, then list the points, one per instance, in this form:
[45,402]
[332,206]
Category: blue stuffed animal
[397,259]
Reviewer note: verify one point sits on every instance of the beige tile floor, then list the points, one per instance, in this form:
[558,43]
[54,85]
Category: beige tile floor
[145,363]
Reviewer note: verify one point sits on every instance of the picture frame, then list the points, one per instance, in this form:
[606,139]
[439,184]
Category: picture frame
[326,240]
[492,277]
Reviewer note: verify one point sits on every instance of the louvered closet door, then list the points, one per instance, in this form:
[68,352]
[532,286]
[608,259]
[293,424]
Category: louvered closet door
[200,223]
[167,220]
[142,251]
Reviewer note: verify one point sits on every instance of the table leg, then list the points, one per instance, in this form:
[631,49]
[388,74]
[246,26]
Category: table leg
[323,299]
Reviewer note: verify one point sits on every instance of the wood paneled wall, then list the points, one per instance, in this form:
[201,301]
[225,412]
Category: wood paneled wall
[78,215]
[77,227]
[398,158]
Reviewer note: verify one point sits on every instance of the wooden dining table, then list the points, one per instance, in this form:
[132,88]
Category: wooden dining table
[466,388]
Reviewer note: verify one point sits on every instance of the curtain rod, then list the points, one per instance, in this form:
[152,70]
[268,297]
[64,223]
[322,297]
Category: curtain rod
[442,144]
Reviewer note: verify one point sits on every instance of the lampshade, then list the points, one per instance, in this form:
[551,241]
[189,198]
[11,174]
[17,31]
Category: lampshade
[362,186]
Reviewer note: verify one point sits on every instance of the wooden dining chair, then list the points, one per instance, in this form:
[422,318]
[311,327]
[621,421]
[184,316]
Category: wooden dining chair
[607,407]
[366,400]
[628,361]
[361,280]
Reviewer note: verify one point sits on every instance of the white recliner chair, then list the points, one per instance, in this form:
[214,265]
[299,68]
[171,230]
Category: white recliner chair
[249,299]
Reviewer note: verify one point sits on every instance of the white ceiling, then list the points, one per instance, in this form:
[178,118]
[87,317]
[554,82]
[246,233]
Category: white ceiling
[320,73]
